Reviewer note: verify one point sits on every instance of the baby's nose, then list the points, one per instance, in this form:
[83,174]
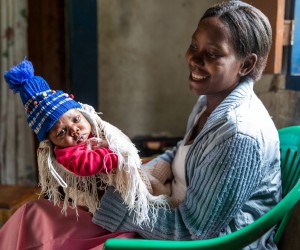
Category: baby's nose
[74,130]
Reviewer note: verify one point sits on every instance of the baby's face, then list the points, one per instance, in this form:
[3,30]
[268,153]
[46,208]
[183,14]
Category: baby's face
[71,129]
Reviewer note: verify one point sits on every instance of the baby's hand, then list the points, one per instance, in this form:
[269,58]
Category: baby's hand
[95,142]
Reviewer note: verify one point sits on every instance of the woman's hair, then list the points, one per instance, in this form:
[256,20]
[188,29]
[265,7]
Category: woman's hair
[251,31]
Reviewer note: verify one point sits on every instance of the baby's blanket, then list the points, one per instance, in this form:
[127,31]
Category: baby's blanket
[83,189]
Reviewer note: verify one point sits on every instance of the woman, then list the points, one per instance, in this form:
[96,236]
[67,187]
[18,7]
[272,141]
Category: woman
[226,169]
[230,152]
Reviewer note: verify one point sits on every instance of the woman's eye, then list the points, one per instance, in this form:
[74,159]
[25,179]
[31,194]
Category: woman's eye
[212,54]
[193,45]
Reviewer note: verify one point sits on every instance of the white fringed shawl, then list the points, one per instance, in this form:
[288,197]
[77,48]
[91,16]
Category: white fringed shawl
[83,190]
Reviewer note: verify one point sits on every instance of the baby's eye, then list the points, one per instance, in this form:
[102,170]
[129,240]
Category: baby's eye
[61,132]
[77,118]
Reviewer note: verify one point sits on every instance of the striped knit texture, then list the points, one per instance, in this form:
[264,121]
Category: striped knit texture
[50,108]
[229,183]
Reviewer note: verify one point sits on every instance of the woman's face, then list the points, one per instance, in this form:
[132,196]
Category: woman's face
[71,129]
[213,63]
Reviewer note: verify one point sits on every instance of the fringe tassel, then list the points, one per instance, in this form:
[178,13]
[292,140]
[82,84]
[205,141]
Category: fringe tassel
[83,189]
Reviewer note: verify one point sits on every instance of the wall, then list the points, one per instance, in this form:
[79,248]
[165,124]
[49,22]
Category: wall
[143,74]
[282,104]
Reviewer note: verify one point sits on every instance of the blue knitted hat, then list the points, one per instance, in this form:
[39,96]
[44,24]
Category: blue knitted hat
[42,105]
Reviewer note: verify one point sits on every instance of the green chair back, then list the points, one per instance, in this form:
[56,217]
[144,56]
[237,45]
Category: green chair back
[290,167]
[290,157]
[279,215]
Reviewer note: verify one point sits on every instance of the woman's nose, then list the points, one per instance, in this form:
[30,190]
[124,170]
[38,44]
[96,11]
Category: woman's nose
[196,60]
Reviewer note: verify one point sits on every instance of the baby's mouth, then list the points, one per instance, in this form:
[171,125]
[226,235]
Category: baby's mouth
[80,139]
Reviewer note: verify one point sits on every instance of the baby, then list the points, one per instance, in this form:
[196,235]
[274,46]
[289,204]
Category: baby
[82,153]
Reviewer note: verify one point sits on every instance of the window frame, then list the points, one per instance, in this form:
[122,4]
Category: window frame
[293,50]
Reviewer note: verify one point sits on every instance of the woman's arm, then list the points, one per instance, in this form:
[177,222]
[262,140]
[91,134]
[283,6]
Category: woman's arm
[218,186]
[168,156]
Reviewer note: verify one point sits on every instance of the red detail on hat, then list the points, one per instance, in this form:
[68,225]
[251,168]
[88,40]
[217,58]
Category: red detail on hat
[71,96]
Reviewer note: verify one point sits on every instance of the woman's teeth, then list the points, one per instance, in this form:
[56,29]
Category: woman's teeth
[198,77]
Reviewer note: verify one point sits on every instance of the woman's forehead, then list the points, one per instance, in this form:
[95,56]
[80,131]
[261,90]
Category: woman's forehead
[215,27]
[213,32]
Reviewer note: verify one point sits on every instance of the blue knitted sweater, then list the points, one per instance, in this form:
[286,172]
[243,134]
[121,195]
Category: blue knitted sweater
[232,174]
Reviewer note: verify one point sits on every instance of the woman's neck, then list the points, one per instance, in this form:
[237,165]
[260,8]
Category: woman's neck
[213,101]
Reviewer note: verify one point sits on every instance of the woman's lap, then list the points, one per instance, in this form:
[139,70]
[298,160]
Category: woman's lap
[41,225]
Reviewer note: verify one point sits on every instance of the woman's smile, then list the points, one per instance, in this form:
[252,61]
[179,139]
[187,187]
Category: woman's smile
[198,77]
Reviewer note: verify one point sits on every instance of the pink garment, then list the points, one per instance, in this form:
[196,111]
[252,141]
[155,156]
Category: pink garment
[86,162]
[39,225]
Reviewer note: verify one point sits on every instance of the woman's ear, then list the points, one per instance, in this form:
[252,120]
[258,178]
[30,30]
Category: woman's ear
[248,64]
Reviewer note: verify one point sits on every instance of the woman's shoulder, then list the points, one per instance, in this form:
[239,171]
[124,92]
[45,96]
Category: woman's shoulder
[250,118]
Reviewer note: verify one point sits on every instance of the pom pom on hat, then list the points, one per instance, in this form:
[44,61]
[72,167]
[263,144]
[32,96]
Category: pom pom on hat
[17,76]
[21,79]
[42,105]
